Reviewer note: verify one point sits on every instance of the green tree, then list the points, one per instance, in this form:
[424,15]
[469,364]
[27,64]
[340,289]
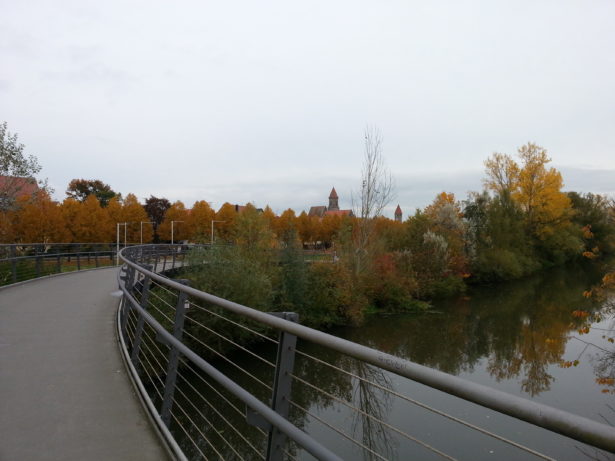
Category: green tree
[81,189]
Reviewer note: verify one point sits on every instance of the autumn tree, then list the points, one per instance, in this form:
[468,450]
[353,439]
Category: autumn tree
[535,188]
[39,220]
[285,226]
[175,224]
[81,189]
[134,214]
[199,222]
[252,231]
[306,227]
[87,222]
[225,228]
[115,215]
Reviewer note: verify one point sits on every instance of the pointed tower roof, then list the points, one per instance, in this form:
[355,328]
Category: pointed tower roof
[397,211]
[333,194]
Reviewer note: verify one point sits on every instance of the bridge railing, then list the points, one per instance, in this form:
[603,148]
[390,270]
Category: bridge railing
[273,385]
[20,262]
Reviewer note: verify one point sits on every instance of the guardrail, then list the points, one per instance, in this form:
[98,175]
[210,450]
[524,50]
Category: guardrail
[20,262]
[163,322]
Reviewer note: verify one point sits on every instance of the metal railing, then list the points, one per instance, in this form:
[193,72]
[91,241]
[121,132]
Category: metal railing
[177,339]
[20,262]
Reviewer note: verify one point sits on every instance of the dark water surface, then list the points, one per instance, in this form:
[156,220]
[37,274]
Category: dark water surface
[514,337]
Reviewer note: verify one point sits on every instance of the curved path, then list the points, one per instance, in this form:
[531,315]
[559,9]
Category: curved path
[64,390]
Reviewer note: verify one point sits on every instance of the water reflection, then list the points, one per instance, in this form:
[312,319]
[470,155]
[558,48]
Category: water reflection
[520,328]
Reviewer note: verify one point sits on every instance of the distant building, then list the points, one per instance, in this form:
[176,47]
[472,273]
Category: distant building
[398,214]
[320,211]
[13,187]
[239,208]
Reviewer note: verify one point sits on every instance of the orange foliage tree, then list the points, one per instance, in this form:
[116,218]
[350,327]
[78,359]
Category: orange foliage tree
[180,228]
[199,222]
[39,219]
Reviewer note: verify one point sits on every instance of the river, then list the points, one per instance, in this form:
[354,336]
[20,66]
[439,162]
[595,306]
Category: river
[519,337]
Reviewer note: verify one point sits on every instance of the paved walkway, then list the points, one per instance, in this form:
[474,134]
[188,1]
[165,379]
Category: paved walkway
[64,390]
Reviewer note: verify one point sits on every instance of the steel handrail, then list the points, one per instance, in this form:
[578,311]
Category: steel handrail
[574,426]
[293,432]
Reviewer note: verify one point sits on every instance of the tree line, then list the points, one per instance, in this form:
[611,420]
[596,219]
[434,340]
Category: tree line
[520,223]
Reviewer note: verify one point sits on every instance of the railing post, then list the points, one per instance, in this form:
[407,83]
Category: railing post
[169,384]
[136,345]
[78,249]
[58,263]
[282,385]
[14,263]
[37,262]
[128,278]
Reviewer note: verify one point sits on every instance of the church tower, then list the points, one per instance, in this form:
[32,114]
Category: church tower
[398,214]
[333,206]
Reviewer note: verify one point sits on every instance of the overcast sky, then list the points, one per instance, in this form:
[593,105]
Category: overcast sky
[267,101]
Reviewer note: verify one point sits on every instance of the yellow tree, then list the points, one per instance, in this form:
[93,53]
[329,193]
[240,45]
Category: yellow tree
[89,222]
[114,215]
[70,208]
[199,222]
[270,216]
[285,224]
[225,229]
[252,230]
[535,188]
[306,227]
[539,192]
[134,214]
[7,233]
[175,224]
[39,219]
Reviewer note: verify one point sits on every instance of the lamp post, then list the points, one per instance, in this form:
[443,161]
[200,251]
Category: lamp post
[144,222]
[212,230]
[172,235]
[117,247]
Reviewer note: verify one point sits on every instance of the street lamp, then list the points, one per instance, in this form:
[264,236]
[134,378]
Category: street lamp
[144,222]
[172,223]
[212,230]
[117,248]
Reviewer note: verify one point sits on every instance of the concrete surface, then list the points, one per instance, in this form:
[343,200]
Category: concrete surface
[64,390]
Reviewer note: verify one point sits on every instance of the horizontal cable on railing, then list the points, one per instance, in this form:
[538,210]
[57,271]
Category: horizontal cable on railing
[177,405]
[207,420]
[221,336]
[340,432]
[429,408]
[226,359]
[234,323]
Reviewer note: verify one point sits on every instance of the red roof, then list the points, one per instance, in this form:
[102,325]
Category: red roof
[397,210]
[333,194]
[17,187]
[338,213]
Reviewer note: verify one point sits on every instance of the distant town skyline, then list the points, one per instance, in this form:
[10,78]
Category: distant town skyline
[245,102]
